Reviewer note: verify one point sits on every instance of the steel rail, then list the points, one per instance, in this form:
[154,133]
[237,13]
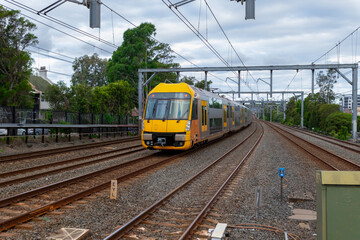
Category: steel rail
[68,168]
[22,156]
[327,139]
[6,224]
[353,165]
[72,160]
[203,212]
[117,234]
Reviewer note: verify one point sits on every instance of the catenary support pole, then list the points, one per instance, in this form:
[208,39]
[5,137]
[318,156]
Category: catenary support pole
[140,96]
[206,80]
[302,109]
[239,79]
[271,82]
[354,98]
[312,81]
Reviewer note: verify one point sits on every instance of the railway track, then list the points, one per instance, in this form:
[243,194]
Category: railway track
[45,153]
[170,219]
[102,157]
[331,160]
[23,207]
[354,147]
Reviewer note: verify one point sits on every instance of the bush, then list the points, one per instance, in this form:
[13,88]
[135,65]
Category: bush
[337,120]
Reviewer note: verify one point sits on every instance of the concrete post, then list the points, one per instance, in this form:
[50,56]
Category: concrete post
[354,96]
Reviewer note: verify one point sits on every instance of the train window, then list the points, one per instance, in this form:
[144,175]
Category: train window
[194,114]
[150,108]
[203,116]
[215,103]
[179,109]
[161,108]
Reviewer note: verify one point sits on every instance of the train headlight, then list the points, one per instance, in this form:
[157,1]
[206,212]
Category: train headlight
[188,125]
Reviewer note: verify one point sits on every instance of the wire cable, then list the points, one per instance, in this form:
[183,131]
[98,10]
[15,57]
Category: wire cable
[47,25]
[336,45]
[55,20]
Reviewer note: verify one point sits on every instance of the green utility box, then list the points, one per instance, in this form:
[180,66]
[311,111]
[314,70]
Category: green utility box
[338,205]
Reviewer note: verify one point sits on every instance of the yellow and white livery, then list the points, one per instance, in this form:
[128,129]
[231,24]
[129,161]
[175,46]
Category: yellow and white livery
[179,116]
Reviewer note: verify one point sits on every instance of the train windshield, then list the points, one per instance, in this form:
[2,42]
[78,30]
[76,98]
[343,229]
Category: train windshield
[174,106]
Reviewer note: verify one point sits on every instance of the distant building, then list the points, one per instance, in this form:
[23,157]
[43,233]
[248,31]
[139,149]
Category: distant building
[347,103]
[39,85]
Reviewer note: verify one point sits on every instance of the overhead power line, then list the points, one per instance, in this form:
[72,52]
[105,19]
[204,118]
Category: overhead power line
[241,61]
[63,32]
[336,45]
[57,21]
[46,50]
[47,55]
[178,54]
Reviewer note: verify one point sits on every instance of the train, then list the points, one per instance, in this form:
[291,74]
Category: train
[179,116]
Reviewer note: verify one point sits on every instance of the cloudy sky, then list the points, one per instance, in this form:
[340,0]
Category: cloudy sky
[283,33]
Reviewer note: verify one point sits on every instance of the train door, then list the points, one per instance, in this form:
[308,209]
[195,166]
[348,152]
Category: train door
[233,115]
[204,114]
[195,128]
[225,115]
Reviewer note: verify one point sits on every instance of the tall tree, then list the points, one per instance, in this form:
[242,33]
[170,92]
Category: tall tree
[15,62]
[90,71]
[140,50]
[326,84]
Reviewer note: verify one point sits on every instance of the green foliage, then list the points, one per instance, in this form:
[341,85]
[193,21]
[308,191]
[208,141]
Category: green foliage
[326,84]
[335,121]
[89,71]
[140,50]
[201,84]
[15,62]
[324,111]
[81,98]
[188,80]
[58,95]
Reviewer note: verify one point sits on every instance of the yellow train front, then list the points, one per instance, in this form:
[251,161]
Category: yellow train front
[179,116]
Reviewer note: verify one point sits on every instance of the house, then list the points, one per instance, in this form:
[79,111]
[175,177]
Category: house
[39,85]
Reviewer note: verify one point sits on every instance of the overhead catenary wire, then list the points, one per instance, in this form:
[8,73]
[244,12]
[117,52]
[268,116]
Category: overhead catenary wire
[325,54]
[222,29]
[60,54]
[202,38]
[57,21]
[47,55]
[179,55]
[63,32]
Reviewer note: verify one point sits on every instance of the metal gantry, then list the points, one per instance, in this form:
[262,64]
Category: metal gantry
[271,68]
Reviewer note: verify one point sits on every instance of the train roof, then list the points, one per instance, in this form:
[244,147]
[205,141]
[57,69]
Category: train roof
[184,87]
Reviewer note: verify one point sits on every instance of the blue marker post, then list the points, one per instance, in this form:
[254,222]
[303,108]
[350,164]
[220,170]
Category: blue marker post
[281,175]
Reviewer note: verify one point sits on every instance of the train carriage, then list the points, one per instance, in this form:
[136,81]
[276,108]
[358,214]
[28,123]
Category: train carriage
[179,116]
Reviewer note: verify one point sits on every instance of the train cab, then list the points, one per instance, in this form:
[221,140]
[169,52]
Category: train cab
[167,117]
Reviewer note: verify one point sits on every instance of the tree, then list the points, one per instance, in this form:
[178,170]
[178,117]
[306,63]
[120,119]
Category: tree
[188,80]
[115,98]
[58,95]
[201,84]
[90,71]
[140,50]
[81,98]
[326,84]
[15,62]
